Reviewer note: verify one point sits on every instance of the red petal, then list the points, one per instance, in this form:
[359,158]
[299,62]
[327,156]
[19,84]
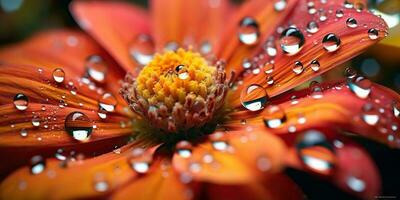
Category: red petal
[114,25]
[335,107]
[233,157]
[353,42]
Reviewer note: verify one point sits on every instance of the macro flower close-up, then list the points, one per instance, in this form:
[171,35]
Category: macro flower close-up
[199,99]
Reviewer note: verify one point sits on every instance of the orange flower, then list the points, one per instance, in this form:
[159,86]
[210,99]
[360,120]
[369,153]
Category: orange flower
[205,110]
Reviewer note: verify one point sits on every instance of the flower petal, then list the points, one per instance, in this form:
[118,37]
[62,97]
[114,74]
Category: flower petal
[233,157]
[326,106]
[91,178]
[98,18]
[288,71]
[183,21]
[277,186]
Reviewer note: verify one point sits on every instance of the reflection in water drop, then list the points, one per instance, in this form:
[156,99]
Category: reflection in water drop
[248,31]
[292,40]
[254,97]
[79,126]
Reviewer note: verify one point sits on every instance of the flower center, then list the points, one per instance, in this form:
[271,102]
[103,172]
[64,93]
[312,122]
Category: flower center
[177,91]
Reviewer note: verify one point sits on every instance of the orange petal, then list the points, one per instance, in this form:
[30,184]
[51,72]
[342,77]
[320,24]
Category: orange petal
[290,71]
[277,186]
[114,25]
[188,23]
[91,178]
[232,157]
[330,106]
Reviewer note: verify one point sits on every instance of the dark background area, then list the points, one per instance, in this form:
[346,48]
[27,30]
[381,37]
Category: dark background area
[21,18]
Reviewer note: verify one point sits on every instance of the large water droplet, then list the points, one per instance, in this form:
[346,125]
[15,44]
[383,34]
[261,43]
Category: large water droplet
[79,126]
[316,152]
[373,34]
[21,101]
[312,27]
[96,68]
[331,42]
[38,164]
[297,67]
[248,32]
[184,149]
[274,117]
[254,97]
[351,22]
[292,40]
[142,49]
[314,65]
[360,87]
[182,72]
[58,75]
[107,102]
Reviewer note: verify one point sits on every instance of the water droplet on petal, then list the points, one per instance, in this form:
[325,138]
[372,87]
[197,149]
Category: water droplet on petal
[58,75]
[314,65]
[350,73]
[184,149]
[182,72]
[339,13]
[355,184]
[254,97]
[139,162]
[38,164]
[274,117]
[331,42]
[373,34]
[35,121]
[270,48]
[316,91]
[312,27]
[23,132]
[21,101]
[316,152]
[351,22]
[360,87]
[101,185]
[370,115]
[263,163]
[280,5]
[248,31]
[292,40]
[96,68]
[142,49]
[205,47]
[79,126]
[396,109]
[297,67]
[107,102]
[60,155]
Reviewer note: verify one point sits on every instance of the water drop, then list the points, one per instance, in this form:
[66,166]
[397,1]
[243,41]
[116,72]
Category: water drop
[312,27]
[205,47]
[316,90]
[184,149]
[369,114]
[373,34]
[142,49]
[297,67]
[350,73]
[314,65]
[107,102]
[79,126]
[35,121]
[21,101]
[269,68]
[396,109]
[331,42]
[37,164]
[355,184]
[101,185]
[280,5]
[316,152]
[254,97]
[351,22]
[339,13]
[182,72]
[292,40]
[360,87]
[96,68]
[246,63]
[248,32]
[270,48]
[139,162]
[23,132]
[263,163]
[274,117]
[58,75]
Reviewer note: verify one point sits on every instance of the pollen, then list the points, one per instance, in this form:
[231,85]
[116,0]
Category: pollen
[177,90]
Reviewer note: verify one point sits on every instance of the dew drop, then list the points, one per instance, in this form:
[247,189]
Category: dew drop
[373,34]
[23,132]
[246,63]
[96,68]
[274,117]
[38,165]
[350,73]
[331,42]
[101,185]
[314,65]
[184,149]
[351,22]
[58,75]
[297,67]
[268,68]
[316,90]
[138,161]
[142,49]
[312,27]
[263,163]
[369,114]
[182,72]
[270,48]
[291,40]
[35,121]
[360,87]
[396,109]
[21,101]
[60,155]
[107,102]
[254,97]
[248,32]
[339,13]
[205,47]
[79,126]
[355,184]
[280,5]
[316,152]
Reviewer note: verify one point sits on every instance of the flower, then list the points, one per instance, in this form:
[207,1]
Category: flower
[207,108]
